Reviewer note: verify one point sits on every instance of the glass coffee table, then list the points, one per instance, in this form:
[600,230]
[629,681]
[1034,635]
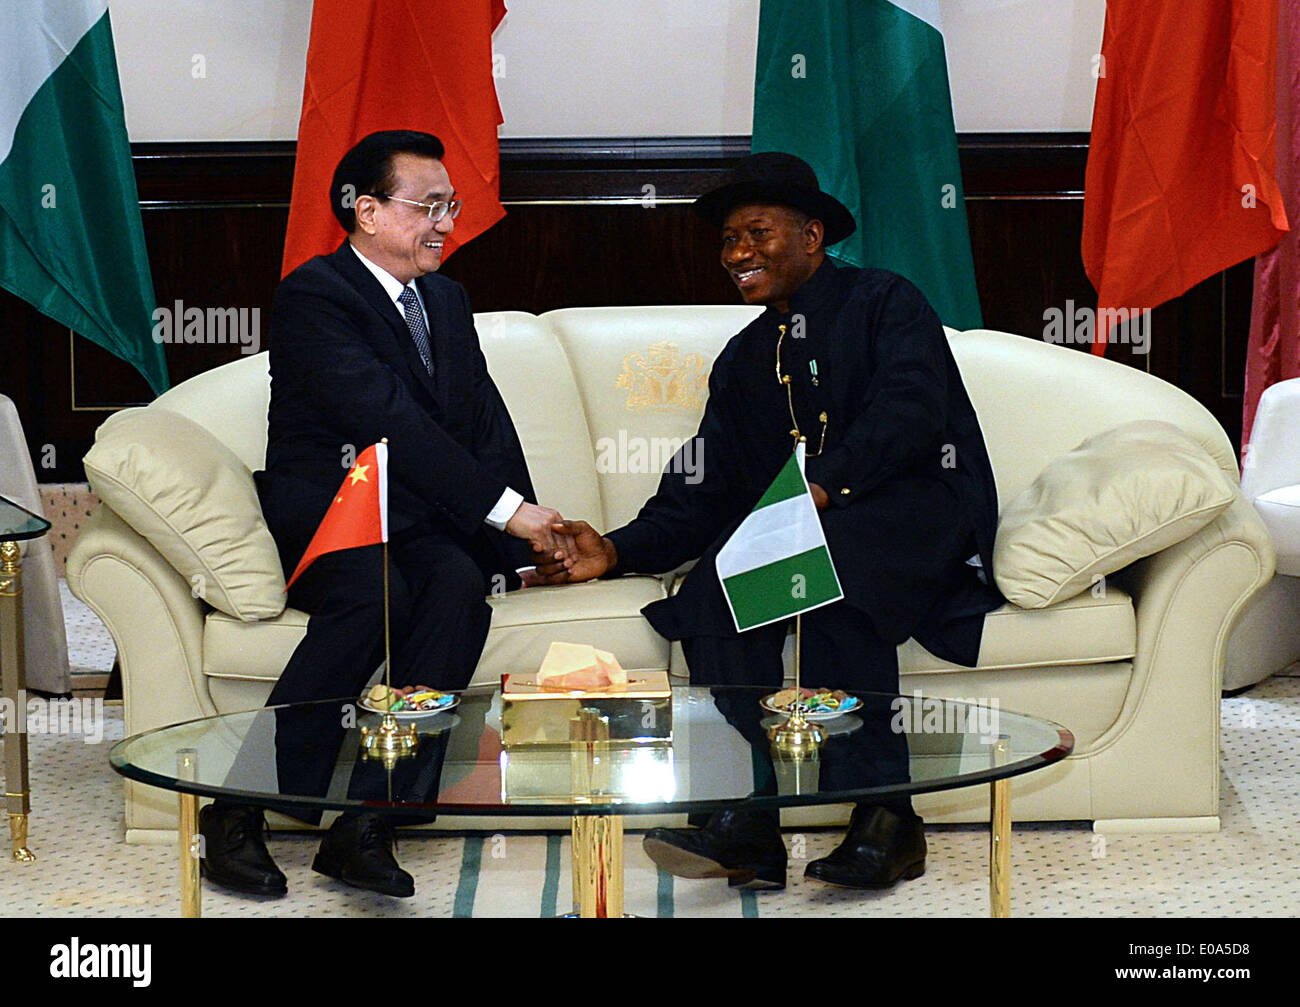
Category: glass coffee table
[17,524]
[703,750]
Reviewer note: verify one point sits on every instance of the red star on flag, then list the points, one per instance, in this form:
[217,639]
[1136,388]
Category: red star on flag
[359,514]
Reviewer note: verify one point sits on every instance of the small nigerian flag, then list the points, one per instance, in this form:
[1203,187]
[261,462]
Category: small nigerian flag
[776,564]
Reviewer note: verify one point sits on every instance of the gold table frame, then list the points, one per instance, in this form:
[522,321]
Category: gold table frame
[598,841]
[598,857]
[13,670]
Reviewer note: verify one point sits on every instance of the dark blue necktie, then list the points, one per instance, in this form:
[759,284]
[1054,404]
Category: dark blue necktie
[415,322]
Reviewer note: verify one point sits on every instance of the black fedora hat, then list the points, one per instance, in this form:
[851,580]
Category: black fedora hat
[782,180]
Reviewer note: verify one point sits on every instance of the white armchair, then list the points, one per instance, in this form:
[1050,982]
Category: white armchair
[1267,639]
[44,636]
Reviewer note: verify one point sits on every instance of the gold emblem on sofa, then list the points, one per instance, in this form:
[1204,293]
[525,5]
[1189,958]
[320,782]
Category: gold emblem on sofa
[663,379]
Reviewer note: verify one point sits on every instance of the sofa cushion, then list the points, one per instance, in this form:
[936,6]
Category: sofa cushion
[1036,401]
[643,374]
[524,623]
[1119,496]
[605,613]
[195,502]
[532,372]
[230,402]
[1093,627]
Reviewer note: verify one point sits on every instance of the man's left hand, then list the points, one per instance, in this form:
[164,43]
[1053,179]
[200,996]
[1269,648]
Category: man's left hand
[536,524]
[821,500]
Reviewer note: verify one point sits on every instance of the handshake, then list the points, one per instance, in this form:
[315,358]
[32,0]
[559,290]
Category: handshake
[565,552]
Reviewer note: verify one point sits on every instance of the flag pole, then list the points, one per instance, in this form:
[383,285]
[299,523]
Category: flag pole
[390,741]
[388,647]
[798,737]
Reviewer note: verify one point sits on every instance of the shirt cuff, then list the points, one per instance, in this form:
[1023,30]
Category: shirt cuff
[504,510]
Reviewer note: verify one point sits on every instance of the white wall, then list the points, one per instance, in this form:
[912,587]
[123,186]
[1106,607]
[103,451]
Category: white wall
[588,67]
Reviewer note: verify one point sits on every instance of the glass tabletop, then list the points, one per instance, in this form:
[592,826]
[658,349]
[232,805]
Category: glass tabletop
[702,750]
[17,523]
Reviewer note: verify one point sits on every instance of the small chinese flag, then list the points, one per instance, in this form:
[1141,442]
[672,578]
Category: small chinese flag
[359,514]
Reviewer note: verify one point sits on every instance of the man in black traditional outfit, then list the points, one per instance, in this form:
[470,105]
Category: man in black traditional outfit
[856,361]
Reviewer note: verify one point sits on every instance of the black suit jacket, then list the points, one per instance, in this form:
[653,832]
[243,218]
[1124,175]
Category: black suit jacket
[911,490]
[345,373]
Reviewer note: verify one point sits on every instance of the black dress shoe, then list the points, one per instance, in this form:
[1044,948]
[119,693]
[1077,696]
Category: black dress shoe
[358,850]
[234,852]
[880,849]
[743,846]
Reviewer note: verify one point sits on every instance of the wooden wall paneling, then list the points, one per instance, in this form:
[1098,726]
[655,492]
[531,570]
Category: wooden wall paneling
[576,233]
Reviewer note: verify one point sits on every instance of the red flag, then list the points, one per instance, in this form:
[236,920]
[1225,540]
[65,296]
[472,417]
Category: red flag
[1273,353]
[359,514]
[393,64]
[1180,181]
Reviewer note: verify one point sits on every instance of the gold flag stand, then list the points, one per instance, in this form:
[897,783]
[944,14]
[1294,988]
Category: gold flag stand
[798,737]
[391,740]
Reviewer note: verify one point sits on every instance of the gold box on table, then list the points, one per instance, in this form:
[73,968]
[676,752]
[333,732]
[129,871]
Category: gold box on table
[577,773]
[641,711]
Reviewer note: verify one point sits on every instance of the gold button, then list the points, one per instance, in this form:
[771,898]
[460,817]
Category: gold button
[844,491]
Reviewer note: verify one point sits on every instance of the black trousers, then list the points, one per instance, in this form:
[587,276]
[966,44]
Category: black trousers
[439,623]
[439,617]
[841,650]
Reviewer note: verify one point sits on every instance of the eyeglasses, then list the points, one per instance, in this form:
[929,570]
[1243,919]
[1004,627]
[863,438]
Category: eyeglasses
[436,210]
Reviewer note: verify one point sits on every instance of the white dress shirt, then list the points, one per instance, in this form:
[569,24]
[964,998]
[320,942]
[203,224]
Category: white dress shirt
[510,500]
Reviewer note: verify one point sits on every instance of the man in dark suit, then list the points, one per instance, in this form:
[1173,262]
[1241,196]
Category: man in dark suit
[856,361]
[367,343]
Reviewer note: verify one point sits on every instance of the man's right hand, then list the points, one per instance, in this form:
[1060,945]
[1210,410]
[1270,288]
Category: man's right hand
[588,557]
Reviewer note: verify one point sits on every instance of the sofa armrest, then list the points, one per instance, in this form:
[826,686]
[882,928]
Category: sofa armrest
[155,620]
[1273,457]
[1187,599]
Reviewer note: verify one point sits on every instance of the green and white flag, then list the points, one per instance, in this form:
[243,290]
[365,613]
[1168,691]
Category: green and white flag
[777,564]
[71,240]
[859,90]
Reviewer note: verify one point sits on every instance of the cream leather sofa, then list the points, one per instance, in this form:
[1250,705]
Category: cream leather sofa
[1135,673]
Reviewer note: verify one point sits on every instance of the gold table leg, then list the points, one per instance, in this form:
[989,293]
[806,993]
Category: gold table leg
[13,670]
[187,760]
[598,866]
[1000,840]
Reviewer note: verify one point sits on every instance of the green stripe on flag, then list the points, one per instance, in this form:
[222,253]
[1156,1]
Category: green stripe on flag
[859,90]
[788,483]
[71,238]
[770,592]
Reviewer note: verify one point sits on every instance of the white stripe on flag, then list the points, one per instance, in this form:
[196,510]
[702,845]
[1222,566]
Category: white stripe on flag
[37,37]
[772,534]
[381,459]
[922,10]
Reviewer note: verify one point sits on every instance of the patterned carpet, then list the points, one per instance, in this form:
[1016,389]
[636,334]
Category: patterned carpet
[1251,868]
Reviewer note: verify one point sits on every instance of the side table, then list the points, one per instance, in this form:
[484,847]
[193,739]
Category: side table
[16,524]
